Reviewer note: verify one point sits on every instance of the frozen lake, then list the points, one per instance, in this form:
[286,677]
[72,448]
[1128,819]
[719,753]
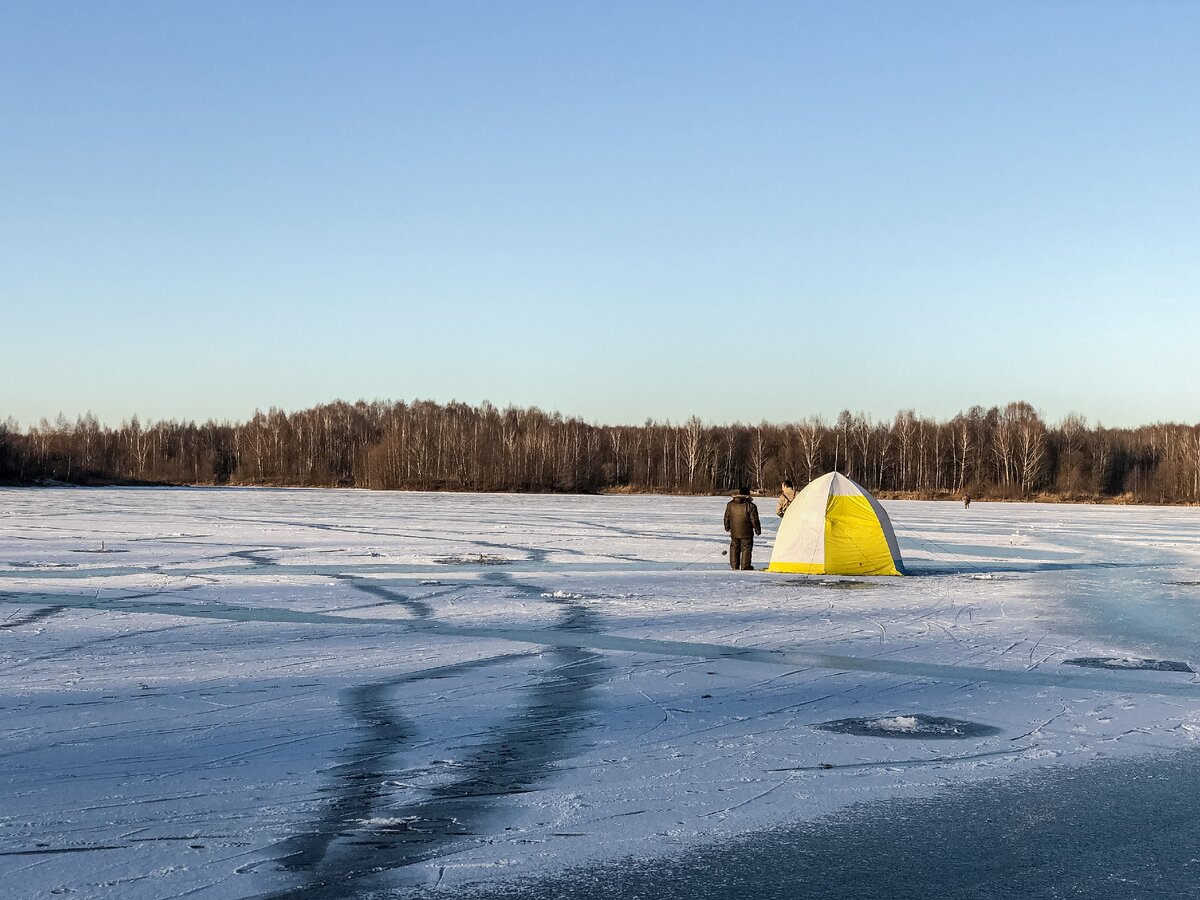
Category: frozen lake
[236,693]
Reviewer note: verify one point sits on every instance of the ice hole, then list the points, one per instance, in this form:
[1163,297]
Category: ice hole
[916,725]
[1130,662]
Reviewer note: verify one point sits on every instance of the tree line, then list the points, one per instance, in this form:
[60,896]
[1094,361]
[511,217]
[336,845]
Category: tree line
[1003,452]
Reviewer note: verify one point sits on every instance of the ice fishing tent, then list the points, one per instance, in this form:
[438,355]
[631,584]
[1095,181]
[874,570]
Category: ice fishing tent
[834,527]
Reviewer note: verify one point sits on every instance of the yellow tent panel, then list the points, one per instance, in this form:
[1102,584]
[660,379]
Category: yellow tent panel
[834,527]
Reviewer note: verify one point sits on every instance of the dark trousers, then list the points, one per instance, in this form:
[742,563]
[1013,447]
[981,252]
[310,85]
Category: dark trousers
[740,551]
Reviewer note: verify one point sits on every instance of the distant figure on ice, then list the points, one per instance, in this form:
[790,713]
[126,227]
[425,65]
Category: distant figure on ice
[966,501]
[741,521]
[786,495]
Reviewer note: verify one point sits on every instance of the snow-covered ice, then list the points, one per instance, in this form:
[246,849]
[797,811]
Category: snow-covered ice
[236,693]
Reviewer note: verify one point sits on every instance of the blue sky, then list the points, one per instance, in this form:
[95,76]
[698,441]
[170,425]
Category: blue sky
[614,210]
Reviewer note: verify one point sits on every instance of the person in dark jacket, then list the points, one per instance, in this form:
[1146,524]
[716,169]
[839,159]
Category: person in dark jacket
[741,521]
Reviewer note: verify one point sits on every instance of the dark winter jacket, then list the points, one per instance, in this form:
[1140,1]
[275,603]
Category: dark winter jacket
[741,517]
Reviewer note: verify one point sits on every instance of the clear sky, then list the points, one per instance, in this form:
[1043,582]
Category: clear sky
[742,211]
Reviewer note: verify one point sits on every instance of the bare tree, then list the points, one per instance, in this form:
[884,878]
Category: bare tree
[694,448]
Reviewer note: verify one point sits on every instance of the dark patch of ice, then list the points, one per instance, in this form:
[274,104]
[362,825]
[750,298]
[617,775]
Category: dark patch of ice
[43,565]
[1107,831]
[473,559]
[1122,663]
[30,618]
[366,828]
[256,556]
[917,725]
[418,608]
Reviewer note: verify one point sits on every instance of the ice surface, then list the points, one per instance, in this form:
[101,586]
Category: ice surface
[341,693]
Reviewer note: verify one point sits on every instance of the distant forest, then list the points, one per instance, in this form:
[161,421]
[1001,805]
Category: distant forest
[1007,452]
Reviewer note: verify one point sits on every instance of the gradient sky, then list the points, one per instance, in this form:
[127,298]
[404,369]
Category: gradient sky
[742,211]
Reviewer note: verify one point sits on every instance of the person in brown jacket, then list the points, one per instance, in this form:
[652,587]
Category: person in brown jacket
[741,521]
[787,493]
